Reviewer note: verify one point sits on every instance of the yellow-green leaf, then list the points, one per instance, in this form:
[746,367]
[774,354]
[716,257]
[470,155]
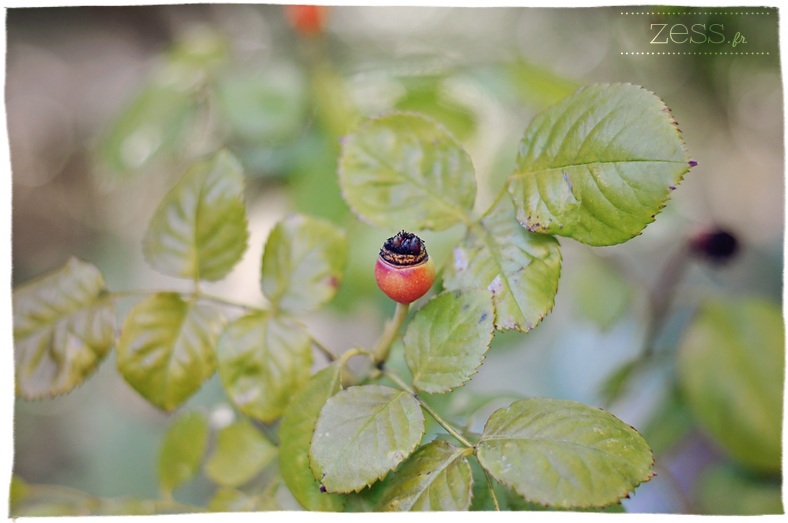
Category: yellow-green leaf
[404,170]
[303,262]
[446,340]
[167,346]
[182,450]
[64,324]
[241,452]
[199,230]
[263,359]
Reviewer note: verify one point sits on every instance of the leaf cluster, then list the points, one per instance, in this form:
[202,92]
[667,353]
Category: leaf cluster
[597,167]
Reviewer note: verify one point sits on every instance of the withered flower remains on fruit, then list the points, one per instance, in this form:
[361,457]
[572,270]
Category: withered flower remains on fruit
[404,270]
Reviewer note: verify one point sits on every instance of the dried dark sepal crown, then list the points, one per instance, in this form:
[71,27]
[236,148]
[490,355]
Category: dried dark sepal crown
[404,270]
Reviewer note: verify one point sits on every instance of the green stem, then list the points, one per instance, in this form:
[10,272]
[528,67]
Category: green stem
[198,295]
[492,490]
[232,303]
[322,348]
[443,423]
[382,347]
[393,377]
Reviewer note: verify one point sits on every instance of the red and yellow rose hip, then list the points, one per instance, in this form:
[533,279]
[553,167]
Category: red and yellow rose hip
[404,270]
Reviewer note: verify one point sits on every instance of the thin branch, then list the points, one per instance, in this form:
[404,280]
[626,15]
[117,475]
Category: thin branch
[382,347]
[186,294]
[325,350]
[443,423]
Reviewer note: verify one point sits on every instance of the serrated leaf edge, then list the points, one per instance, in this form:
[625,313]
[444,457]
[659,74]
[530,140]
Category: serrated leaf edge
[385,473]
[625,494]
[662,203]
[475,370]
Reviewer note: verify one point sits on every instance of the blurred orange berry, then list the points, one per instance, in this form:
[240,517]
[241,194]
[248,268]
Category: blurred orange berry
[308,20]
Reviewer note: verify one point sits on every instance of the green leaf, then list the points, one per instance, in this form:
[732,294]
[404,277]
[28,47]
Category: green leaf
[537,86]
[295,432]
[262,360]
[512,501]
[367,499]
[264,105]
[447,338]
[361,434]
[425,95]
[598,166]
[241,452]
[64,324]
[731,370]
[601,294]
[155,125]
[563,453]
[669,425]
[199,230]
[303,262]
[436,477]
[231,500]
[723,490]
[182,450]
[166,348]
[520,268]
[405,171]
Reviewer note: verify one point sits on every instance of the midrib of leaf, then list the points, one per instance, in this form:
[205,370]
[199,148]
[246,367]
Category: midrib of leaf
[361,429]
[425,188]
[557,442]
[197,215]
[436,472]
[609,162]
[51,325]
[179,331]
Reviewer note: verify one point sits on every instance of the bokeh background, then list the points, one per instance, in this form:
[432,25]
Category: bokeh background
[104,104]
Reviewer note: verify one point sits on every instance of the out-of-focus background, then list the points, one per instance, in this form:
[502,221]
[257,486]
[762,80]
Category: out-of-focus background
[105,103]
